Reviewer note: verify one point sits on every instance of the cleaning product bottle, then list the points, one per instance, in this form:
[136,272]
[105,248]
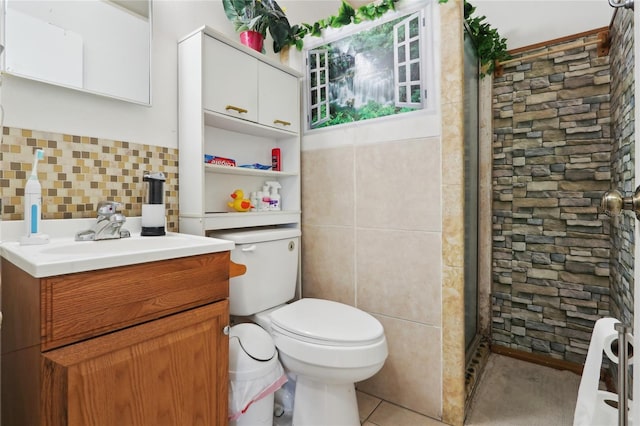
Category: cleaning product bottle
[33,206]
[274,197]
[264,205]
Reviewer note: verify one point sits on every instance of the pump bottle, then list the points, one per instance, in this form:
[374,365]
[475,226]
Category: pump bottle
[274,197]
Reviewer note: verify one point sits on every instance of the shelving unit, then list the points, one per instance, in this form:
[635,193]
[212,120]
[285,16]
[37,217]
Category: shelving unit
[234,103]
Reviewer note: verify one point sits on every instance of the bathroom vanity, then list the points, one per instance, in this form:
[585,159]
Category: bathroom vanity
[138,344]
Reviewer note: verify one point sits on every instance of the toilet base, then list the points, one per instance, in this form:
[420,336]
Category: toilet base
[322,404]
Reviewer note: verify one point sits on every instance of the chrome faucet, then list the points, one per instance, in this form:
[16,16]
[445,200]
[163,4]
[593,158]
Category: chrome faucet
[108,224]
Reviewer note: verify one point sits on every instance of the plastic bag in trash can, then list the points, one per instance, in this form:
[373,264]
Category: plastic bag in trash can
[254,369]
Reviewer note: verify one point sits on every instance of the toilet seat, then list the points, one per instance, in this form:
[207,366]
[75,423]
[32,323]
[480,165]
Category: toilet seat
[328,334]
[324,322]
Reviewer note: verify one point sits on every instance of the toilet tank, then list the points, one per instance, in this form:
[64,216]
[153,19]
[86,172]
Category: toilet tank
[271,257]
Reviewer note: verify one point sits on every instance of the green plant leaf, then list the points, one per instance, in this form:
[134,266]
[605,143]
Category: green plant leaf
[345,13]
[490,46]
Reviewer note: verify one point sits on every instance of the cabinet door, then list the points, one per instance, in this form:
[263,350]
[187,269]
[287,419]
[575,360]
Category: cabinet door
[172,371]
[278,98]
[229,80]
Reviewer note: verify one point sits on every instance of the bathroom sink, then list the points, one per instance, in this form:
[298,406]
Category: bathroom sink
[134,244]
[66,256]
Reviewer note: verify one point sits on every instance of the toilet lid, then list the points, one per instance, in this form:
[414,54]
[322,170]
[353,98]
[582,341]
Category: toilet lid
[327,322]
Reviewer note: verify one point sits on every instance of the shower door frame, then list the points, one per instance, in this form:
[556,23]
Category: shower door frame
[635,404]
[472,193]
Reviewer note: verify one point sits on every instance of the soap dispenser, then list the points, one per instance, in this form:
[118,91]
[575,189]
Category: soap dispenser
[153,210]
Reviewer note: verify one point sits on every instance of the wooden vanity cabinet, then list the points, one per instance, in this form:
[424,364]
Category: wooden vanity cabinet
[163,372]
[162,361]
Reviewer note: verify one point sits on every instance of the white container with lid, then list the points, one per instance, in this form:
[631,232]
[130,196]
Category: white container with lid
[255,374]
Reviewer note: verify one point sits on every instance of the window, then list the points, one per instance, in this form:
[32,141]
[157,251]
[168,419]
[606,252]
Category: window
[406,43]
[318,86]
[378,69]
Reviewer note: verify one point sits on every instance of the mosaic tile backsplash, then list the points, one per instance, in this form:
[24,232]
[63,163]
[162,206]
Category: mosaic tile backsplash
[80,171]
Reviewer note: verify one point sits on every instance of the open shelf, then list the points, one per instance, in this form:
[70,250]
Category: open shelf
[230,170]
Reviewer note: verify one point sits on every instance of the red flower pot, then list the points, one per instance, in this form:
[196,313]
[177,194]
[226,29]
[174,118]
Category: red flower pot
[252,39]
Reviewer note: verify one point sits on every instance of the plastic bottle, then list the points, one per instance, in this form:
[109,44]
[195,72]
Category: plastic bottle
[275,201]
[255,201]
[266,199]
[259,201]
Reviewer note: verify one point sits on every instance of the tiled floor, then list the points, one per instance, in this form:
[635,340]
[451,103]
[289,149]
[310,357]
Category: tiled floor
[534,395]
[376,412]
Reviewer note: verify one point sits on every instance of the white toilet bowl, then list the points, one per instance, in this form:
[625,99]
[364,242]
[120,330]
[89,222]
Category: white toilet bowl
[329,346]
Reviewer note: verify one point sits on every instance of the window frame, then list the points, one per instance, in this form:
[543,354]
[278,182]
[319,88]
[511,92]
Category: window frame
[407,82]
[323,67]
[427,28]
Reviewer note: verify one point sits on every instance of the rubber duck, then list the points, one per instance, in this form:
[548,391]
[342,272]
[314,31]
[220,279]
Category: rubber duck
[239,203]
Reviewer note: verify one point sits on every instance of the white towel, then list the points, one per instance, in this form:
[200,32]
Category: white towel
[589,407]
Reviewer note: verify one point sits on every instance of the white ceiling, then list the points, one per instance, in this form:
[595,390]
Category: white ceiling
[526,22]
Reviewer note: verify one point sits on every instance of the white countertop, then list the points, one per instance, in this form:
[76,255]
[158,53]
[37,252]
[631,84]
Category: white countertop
[64,255]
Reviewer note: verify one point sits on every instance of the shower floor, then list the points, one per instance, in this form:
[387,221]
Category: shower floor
[512,392]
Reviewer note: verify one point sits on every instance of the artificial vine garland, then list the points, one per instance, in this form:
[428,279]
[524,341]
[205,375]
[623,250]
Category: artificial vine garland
[491,48]
[346,15]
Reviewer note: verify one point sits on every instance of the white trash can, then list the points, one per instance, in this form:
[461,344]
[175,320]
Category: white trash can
[255,374]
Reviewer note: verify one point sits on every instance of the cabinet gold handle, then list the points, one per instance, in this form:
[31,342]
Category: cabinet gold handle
[284,123]
[235,108]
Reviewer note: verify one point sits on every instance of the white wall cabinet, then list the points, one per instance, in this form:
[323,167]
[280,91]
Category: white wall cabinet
[234,103]
[278,98]
[230,82]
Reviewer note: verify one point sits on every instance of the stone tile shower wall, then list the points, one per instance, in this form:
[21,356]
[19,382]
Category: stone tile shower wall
[551,165]
[79,171]
[622,163]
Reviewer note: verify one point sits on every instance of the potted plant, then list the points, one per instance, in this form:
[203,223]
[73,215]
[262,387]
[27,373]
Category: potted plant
[253,18]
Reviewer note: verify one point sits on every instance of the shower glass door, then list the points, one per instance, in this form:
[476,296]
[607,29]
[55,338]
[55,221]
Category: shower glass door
[471,76]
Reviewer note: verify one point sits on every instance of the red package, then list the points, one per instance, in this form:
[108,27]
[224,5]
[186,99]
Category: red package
[220,161]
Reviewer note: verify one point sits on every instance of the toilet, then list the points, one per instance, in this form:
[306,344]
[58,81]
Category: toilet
[328,346]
